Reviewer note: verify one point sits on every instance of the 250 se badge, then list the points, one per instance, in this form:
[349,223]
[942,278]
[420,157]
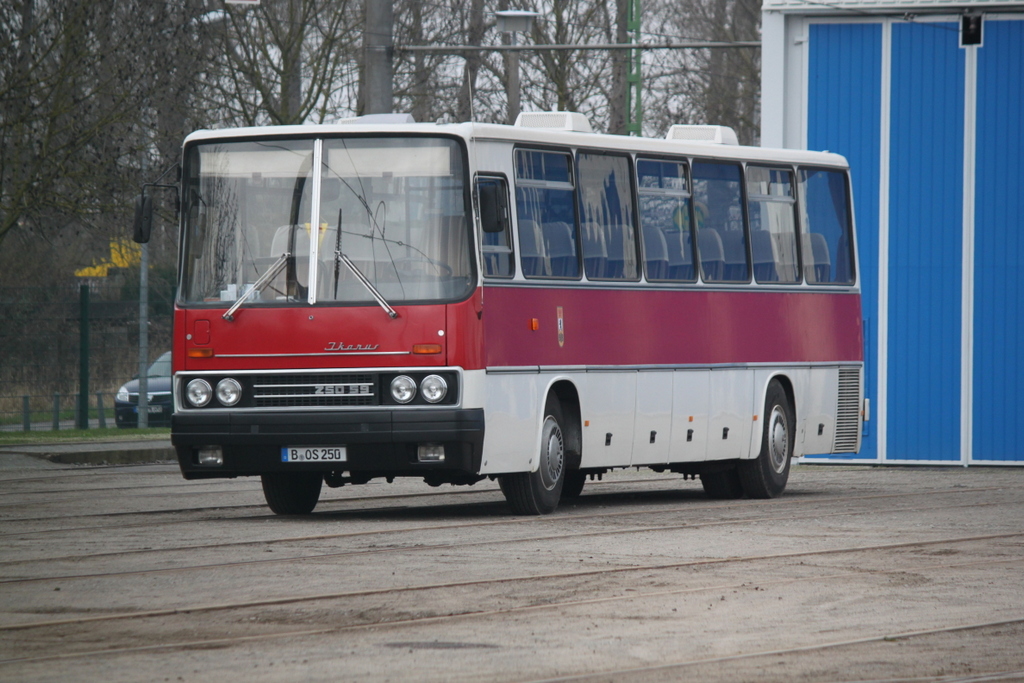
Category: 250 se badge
[313,454]
[342,389]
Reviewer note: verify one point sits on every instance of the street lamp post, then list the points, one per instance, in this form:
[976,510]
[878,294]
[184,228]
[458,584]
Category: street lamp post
[512,22]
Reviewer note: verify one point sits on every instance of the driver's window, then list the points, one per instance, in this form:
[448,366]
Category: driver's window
[496,227]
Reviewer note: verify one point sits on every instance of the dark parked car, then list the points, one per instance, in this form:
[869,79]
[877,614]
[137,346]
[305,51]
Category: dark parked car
[158,391]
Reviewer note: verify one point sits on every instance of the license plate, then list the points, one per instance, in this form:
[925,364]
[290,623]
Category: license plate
[313,454]
[151,409]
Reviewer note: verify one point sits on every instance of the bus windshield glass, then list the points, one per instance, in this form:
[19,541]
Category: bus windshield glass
[395,208]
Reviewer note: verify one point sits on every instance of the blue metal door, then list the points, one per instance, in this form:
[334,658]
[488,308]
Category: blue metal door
[998,373]
[844,116]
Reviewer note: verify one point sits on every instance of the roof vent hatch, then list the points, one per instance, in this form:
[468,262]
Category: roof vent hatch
[720,135]
[560,120]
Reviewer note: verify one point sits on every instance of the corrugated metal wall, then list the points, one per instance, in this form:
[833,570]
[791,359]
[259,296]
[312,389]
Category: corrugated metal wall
[848,121]
[998,386]
[849,64]
[925,235]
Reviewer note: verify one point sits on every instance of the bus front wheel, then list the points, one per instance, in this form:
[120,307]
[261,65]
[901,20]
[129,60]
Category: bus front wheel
[767,474]
[573,485]
[292,493]
[538,492]
[722,484]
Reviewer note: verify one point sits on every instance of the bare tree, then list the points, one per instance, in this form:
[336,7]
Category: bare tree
[474,36]
[720,86]
[70,93]
[566,80]
[285,61]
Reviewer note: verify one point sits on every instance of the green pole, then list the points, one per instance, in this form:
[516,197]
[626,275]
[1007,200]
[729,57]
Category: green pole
[83,357]
[634,109]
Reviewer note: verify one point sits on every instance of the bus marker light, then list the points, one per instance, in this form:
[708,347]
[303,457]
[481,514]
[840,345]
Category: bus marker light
[430,452]
[534,324]
[425,349]
[210,456]
[755,418]
[200,353]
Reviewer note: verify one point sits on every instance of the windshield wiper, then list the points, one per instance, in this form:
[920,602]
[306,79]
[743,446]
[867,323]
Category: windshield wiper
[258,286]
[338,256]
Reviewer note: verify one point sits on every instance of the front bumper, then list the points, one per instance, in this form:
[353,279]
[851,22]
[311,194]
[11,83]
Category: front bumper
[378,442]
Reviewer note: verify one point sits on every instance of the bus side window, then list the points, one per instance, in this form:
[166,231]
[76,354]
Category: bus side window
[721,224]
[827,241]
[772,211]
[496,224]
[546,214]
[665,220]
[606,214]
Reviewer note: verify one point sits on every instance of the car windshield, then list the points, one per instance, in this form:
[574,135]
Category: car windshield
[161,367]
[395,207]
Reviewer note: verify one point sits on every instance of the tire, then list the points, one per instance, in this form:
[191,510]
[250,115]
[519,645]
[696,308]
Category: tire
[292,493]
[573,486]
[766,475]
[722,484]
[538,492]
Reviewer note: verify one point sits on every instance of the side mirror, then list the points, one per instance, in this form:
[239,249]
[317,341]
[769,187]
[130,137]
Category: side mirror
[143,225]
[493,215]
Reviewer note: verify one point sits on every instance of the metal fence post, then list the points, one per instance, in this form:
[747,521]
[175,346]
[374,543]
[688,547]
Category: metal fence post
[83,357]
[99,409]
[56,412]
[143,420]
[26,415]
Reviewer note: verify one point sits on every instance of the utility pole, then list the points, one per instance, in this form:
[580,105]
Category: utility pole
[378,48]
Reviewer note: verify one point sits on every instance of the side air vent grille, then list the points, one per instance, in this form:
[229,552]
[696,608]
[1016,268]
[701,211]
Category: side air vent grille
[847,412]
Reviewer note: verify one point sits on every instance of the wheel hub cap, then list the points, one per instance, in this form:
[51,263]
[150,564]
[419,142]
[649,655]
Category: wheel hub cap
[778,439]
[552,453]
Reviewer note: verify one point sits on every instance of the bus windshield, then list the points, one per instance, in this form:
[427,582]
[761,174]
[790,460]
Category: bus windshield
[395,208]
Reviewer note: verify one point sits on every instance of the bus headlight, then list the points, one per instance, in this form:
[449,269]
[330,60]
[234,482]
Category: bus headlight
[229,391]
[198,392]
[433,389]
[403,389]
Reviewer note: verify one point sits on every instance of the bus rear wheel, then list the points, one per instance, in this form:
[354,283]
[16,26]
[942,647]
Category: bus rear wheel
[538,492]
[766,475]
[292,493]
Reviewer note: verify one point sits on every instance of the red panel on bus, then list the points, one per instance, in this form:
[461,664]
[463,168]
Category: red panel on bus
[607,327]
[465,333]
[311,337]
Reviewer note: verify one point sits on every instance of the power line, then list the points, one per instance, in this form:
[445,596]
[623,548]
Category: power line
[685,45]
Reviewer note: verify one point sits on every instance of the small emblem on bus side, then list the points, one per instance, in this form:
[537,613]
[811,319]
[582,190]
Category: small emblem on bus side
[342,346]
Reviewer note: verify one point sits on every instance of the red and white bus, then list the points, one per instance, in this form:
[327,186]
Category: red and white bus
[536,304]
